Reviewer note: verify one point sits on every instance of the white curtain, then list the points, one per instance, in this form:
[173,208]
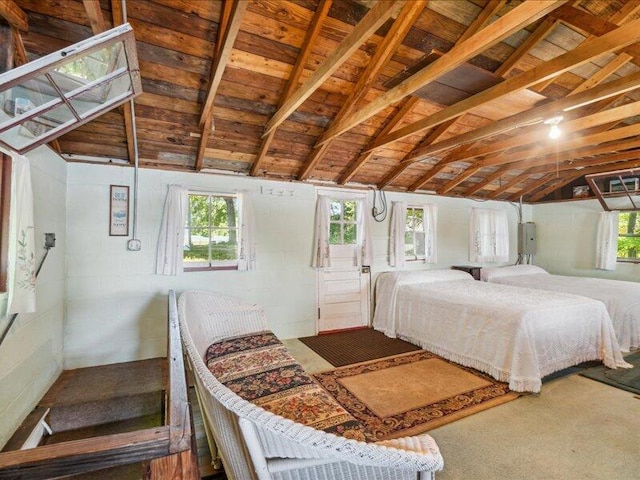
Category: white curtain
[396,234]
[430,233]
[364,243]
[321,256]
[21,268]
[398,229]
[488,236]
[607,241]
[247,251]
[171,239]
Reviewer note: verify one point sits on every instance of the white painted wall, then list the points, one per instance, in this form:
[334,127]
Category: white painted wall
[116,305]
[566,234]
[31,356]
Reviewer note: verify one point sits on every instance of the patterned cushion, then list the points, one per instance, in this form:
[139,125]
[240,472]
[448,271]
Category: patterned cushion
[259,368]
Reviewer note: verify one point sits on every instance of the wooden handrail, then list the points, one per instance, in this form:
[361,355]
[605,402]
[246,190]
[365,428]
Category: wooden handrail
[78,456]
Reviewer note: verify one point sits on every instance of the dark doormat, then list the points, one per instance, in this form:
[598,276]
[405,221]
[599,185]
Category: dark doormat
[624,378]
[355,346]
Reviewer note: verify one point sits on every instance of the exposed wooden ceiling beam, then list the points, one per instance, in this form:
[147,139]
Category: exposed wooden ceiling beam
[485,15]
[571,144]
[515,180]
[454,182]
[220,61]
[205,130]
[586,162]
[435,170]
[94,12]
[587,152]
[401,26]
[610,42]
[397,118]
[294,79]
[541,135]
[20,57]
[373,20]
[518,18]
[489,179]
[117,17]
[593,95]
[539,34]
[14,15]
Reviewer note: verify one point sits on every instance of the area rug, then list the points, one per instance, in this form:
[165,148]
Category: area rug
[355,346]
[411,393]
[624,378]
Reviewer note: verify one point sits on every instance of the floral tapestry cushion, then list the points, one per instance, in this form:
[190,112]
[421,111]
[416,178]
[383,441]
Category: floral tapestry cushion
[259,368]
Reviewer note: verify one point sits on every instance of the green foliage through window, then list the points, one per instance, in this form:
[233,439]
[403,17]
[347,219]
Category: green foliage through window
[342,223]
[211,232]
[629,236]
[414,234]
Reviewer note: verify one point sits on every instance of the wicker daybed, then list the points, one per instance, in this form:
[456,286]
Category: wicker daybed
[257,444]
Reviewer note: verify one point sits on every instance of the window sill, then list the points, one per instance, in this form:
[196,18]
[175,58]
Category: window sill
[628,260]
[209,269]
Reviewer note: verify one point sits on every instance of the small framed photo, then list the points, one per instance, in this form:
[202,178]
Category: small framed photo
[119,211]
[581,191]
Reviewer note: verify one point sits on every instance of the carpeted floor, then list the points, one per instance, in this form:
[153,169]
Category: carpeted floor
[411,393]
[356,346]
[624,378]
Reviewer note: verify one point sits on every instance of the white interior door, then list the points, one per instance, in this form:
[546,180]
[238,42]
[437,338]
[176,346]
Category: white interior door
[343,288]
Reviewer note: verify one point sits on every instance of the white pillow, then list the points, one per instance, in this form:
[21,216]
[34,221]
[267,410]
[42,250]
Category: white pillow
[489,273]
[436,275]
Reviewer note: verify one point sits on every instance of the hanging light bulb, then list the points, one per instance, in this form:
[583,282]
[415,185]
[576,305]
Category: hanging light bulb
[554,132]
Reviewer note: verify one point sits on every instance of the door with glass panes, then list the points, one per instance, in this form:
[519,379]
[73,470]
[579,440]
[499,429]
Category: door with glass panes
[343,288]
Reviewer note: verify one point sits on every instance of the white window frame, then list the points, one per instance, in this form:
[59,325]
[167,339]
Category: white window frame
[211,264]
[625,235]
[416,257]
[342,222]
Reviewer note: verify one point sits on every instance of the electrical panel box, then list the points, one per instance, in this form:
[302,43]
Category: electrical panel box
[527,238]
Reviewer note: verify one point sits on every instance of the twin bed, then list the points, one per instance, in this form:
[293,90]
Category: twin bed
[622,299]
[517,335]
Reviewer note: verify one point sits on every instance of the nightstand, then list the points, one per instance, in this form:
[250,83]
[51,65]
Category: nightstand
[474,271]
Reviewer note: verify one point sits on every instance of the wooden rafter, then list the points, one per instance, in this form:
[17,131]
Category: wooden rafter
[117,16]
[399,116]
[518,18]
[20,57]
[435,170]
[373,20]
[294,79]
[220,62]
[94,12]
[205,131]
[401,26]
[14,15]
[515,180]
[454,182]
[593,95]
[485,15]
[489,179]
[610,42]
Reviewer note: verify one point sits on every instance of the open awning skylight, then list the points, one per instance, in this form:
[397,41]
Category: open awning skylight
[52,95]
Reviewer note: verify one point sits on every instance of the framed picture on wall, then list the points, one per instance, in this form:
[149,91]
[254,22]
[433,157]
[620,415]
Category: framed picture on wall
[119,211]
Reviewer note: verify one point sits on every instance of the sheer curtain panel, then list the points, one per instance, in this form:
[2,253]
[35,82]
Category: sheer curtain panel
[21,265]
[247,253]
[488,236]
[321,255]
[396,234]
[171,239]
[607,241]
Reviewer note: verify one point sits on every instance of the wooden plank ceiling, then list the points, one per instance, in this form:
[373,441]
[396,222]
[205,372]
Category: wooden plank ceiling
[446,96]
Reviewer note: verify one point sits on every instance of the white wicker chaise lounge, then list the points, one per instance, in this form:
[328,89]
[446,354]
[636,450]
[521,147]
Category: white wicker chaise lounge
[257,444]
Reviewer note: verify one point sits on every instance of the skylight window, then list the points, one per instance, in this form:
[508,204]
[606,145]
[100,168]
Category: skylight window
[48,97]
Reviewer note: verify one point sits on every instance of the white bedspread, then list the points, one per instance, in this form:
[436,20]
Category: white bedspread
[622,299]
[517,335]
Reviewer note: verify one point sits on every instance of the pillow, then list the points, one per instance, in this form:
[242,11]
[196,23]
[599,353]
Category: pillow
[258,368]
[489,273]
[422,276]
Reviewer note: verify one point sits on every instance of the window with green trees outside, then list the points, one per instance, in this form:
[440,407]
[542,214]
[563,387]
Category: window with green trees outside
[211,232]
[629,236]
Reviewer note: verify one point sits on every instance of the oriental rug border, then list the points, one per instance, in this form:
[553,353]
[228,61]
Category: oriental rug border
[416,420]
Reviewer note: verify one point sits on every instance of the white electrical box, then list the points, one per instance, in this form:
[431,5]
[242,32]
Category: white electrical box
[527,238]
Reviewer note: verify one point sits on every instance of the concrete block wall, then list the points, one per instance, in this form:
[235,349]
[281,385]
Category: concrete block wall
[31,357]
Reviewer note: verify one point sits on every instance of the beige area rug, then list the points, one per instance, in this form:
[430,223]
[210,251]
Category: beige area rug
[411,393]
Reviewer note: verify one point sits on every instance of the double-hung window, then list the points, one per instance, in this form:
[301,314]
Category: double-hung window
[212,232]
[343,228]
[629,236]
[414,235]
